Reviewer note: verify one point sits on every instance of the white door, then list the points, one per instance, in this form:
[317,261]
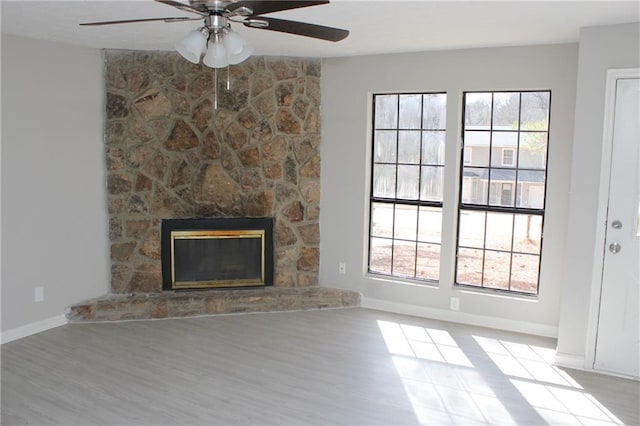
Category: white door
[618,334]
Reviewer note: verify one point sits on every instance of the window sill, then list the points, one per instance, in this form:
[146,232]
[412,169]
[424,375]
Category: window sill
[405,281]
[500,294]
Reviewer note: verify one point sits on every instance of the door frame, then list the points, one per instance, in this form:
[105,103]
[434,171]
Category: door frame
[613,75]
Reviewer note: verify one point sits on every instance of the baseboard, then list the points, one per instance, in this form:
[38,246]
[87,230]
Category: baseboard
[570,361]
[461,317]
[577,362]
[33,328]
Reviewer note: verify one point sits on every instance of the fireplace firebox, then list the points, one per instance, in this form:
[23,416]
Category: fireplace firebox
[216,253]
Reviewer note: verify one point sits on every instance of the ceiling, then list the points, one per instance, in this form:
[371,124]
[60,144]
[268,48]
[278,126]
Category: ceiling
[377,26]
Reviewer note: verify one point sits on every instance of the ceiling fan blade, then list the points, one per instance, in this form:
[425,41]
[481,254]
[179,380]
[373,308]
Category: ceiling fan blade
[183,6]
[130,21]
[269,6]
[298,28]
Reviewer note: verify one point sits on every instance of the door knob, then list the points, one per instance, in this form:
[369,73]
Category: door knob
[614,248]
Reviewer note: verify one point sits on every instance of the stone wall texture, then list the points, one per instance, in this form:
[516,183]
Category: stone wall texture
[175,149]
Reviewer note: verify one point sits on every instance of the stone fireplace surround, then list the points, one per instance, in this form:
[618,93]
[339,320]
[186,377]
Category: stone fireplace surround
[170,154]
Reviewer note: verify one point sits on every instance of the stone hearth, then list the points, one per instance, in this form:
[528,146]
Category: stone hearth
[116,307]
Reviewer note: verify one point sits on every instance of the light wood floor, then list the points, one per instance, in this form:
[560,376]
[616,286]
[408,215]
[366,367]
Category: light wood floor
[332,367]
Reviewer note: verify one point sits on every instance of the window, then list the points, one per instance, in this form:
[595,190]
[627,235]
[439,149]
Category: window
[502,196]
[508,156]
[407,184]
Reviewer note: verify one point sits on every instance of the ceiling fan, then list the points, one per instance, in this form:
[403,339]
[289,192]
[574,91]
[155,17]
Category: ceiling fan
[219,44]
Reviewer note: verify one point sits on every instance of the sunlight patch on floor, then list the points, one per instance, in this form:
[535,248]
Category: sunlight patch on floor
[517,383]
[423,343]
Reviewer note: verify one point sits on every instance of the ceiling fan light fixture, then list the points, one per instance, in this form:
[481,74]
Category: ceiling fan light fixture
[224,46]
[193,45]
[216,56]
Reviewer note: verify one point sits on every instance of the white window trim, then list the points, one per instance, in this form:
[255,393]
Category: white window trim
[513,156]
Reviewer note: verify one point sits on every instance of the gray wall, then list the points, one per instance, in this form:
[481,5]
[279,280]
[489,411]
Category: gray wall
[346,87]
[601,48]
[54,215]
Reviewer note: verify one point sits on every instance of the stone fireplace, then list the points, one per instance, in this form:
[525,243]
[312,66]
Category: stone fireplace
[172,154]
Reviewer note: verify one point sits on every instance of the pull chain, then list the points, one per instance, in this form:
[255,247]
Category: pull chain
[215,90]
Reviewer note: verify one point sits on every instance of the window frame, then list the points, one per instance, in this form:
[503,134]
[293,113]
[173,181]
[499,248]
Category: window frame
[395,201]
[541,212]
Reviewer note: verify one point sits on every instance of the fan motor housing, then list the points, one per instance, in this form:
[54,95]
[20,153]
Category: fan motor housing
[213,5]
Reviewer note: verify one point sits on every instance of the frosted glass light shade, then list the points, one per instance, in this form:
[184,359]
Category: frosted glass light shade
[232,42]
[216,56]
[244,54]
[192,46]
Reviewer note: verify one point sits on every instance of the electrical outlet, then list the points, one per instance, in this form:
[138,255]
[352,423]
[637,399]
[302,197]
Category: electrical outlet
[38,294]
[342,268]
[455,304]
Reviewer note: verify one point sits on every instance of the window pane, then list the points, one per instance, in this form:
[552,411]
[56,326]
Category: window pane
[500,142]
[524,274]
[503,184]
[469,270]
[434,111]
[409,147]
[431,183]
[533,151]
[506,108]
[384,180]
[380,258]
[496,269]
[471,226]
[527,233]
[408,182]
[384,146]
[386,112]
[433,148]
[477,111]
[535,111]
[406,222]
[430,224]
[474,185]
[479,142]
[381,220]
[428,263]
[532,189]
[499,231]
[404,258]
[410,111]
